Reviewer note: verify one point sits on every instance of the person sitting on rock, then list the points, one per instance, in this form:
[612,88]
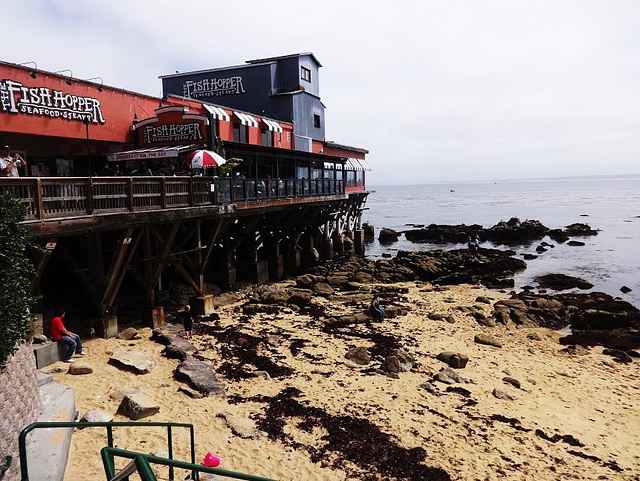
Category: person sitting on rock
[59,333]
[375,310]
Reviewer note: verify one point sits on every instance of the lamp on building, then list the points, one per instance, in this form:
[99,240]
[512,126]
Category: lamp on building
[32,74]
[101,82]
[68,78]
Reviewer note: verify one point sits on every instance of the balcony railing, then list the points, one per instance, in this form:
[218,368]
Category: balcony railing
[54,197]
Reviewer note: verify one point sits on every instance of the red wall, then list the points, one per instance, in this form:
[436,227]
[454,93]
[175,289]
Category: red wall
[116,107]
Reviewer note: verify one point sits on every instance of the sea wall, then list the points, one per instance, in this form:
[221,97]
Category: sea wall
[20,405]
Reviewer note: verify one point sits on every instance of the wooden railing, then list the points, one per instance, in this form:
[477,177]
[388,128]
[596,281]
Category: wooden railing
[55,197]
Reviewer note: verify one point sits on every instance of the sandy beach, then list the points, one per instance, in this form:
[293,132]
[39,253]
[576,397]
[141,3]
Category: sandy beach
[575,416]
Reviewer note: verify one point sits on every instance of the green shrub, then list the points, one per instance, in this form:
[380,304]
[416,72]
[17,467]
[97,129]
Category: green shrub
[16,272]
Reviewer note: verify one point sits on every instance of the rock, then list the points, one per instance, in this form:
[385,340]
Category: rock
[40,339]
[323,289]
[335,281]
[534,336]
[135,360]
[363,278]
[618,355]
[513,381]
[574,243]
[225,299]
[190,392]
[398,361]
[576,350]
[369,232]
[80,367]
[97,416]
[430,388]
[274,340]
[453,359]
[497,393]
[352,286]
[450,319]
[300,299]
[261,375]
[306,281]
[138,405]
[200,375]
[388,236]
[579,229]
[440,376]
[625,289]
[448,375]
[244,428]
[119,394]
[359,355]
[128,334]
[392,375]
[487,339]
[391,312]
[269,294]
[560,282]
[483,300]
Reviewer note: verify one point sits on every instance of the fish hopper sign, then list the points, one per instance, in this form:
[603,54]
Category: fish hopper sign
[200,159]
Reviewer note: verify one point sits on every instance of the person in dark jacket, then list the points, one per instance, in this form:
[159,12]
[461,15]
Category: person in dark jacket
[375,310]
[187,321]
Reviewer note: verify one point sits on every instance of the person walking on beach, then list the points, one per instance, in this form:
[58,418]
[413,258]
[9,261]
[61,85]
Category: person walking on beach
[59,333]
[375,310]
[187,321]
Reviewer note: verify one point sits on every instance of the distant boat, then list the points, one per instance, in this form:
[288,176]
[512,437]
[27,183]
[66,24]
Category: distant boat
[452,190]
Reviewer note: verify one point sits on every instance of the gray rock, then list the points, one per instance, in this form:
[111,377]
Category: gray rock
[398,361]
[359,355]
[335,281]
[392,312]
[534,336]
[135,360]
[352,286]
[261,374]
[497,393]
[510,380]
[442,377]
[450,319]
[299,299]
[487,339]
[138,405]
[40,339]
[454,359]
[80,367]
[452,374]
[200,375]
[392,375]
[192,393]
[119,394]
[323,289]
[307,280]
[430,388]
[224,299]
[97,416]
[128,334]
[272,294]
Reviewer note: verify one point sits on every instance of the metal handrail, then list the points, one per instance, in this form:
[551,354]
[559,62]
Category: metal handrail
[143,464]
[22,444]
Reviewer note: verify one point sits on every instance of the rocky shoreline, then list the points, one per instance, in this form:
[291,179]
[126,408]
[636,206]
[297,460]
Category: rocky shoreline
[461,381]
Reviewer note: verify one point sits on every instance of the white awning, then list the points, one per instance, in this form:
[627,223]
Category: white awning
[217,112]
[364,164]
[353,164]
[151,153]
[328,165]
[273,125]
[246,119]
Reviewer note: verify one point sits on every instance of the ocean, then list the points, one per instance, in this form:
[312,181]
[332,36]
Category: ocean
[609,204]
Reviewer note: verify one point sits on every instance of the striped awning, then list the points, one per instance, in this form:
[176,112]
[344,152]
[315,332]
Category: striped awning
[217,112]
[273,125]
[364,164]
[328,165]
[246,119]
[353,164]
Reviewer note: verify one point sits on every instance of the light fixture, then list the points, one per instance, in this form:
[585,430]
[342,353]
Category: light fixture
[32,74]
[101,82]
[70,76]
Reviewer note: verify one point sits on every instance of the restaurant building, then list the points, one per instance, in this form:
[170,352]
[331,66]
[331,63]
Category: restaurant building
[65,126]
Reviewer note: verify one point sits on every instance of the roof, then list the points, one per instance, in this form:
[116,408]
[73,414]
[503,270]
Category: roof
[247,64]
[272,59]
[347,147]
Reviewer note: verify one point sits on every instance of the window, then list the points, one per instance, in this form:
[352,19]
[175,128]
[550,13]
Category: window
[316,121]
[305,74]
[239,132]
[351,178]
[266,137]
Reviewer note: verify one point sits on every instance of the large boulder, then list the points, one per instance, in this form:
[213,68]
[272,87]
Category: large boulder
[398,361]
[323,289]
[487,340]
[200,376]
[561,282]
[359,355]
[454,359]
[388,236]
[134,360]
[80,367]
[271,295]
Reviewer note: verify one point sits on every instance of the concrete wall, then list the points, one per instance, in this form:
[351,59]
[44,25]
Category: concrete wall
[20,404]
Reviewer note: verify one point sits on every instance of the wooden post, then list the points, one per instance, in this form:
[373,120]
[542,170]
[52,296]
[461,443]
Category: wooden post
[89,195]
[163,193]
[130,197]
[38,199]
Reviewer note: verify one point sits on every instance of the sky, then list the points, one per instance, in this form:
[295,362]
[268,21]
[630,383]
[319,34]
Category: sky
[437,91]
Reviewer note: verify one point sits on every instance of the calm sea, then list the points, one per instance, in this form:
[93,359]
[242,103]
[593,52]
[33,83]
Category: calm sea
[610,204]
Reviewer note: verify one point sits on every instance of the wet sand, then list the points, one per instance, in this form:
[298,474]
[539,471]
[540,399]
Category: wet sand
[575,416]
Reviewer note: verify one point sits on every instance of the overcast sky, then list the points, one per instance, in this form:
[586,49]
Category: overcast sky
[435,90]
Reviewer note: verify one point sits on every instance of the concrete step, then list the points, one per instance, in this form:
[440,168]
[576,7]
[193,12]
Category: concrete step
[48,353]
[48,448]
[44,378]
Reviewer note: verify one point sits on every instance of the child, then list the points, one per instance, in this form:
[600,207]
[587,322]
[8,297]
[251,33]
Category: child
[187,321]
